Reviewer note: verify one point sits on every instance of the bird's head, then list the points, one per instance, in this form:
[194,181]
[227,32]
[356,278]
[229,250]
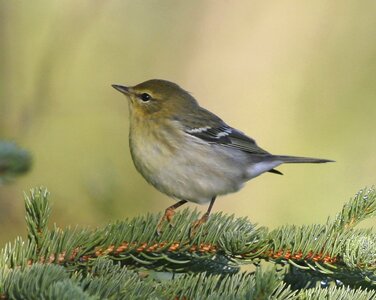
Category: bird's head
[157,97]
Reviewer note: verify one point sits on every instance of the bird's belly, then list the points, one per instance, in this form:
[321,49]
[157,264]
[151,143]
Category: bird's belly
[196,175]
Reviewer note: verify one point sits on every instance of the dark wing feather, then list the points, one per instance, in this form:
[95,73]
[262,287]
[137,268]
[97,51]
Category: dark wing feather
[212,129]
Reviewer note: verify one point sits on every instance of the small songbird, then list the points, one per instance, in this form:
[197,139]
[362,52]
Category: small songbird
[187,152]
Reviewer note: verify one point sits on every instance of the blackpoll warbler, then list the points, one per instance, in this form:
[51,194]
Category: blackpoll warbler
[189,153]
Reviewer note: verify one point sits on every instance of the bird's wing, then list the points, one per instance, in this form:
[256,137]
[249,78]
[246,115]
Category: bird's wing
[210,128]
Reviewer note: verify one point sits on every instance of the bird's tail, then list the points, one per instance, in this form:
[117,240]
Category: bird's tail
[296,159]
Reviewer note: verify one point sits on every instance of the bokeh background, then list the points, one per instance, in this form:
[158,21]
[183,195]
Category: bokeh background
[299,77]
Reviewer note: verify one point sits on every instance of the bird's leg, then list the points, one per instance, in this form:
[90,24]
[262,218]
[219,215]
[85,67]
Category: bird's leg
[203,219]
[169,213]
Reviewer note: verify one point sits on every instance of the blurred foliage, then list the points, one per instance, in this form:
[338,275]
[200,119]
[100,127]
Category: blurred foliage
[14,161]
[298,77]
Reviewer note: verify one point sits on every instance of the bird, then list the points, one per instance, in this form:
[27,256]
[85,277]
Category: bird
[189,153]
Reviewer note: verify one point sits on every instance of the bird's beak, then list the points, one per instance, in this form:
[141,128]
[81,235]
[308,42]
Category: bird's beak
[121,89]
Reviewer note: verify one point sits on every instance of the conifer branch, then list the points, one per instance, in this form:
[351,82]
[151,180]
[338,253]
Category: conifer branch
[37,215]
[108,281]
[357,209]
[333,252]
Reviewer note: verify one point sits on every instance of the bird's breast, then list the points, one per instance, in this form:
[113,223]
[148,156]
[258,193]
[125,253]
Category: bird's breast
[185,167]
[152,146]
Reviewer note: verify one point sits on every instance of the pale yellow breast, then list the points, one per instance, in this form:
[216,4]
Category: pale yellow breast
[153,145]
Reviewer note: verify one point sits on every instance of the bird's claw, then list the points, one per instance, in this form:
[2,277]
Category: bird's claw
[168,215]
[197,224]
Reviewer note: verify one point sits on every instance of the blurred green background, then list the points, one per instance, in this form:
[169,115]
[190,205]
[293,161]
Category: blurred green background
[297,76]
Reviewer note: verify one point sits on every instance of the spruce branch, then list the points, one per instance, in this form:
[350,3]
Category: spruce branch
[359,208]
[333,293]
[38,211]
[223,242]
[259,285]
[108,281]
[99,261]
[42,281]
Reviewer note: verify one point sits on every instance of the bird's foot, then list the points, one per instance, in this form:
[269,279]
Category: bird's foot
[197,224]
[168,215]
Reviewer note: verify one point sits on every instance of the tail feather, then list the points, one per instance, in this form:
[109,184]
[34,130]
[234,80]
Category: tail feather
[296,159]
[275,171]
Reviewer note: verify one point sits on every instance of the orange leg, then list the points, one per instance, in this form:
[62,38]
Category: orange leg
[202,220]
[168,215]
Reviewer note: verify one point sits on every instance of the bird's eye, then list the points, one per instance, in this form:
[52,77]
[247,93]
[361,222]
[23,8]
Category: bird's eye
[145,97]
